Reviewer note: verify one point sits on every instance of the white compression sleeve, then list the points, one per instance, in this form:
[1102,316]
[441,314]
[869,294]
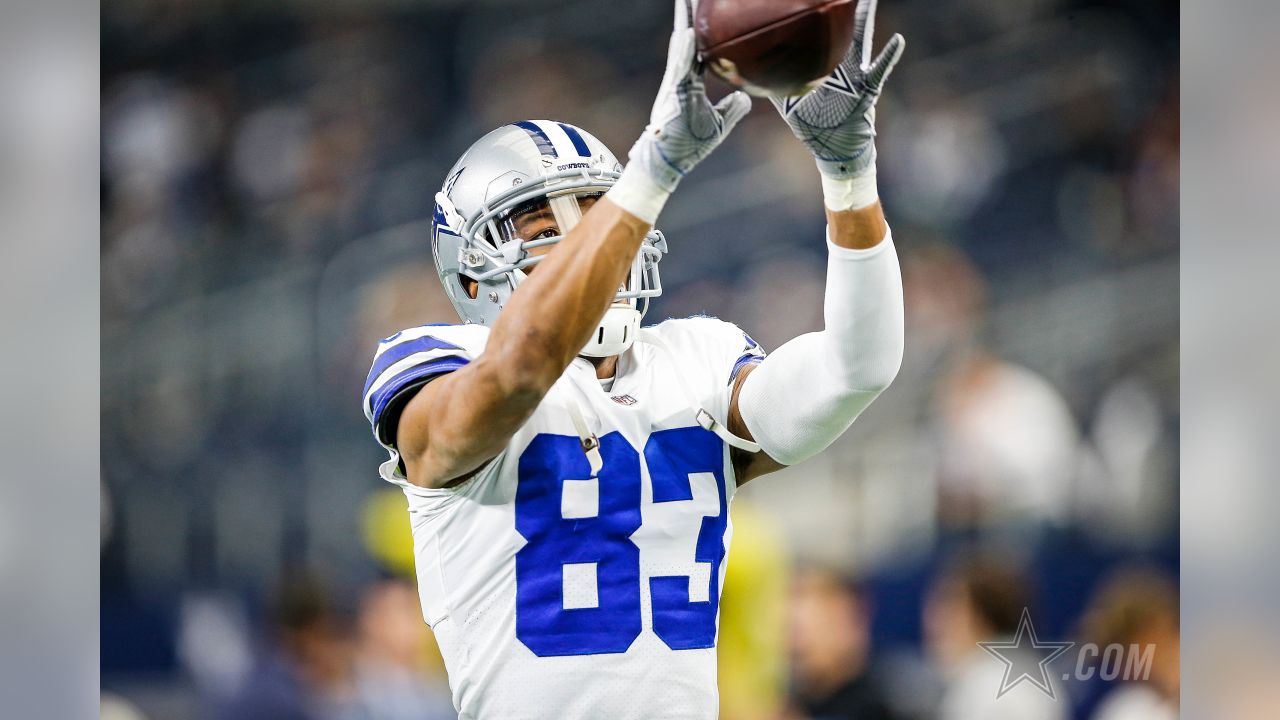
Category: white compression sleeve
[806,393]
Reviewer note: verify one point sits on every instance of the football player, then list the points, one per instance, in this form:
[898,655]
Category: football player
[569,472]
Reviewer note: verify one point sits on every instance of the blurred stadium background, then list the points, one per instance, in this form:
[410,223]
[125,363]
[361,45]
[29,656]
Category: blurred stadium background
[267,179]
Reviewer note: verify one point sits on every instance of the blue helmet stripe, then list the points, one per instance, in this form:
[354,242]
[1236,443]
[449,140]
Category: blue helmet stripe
[575,137]
[545,146]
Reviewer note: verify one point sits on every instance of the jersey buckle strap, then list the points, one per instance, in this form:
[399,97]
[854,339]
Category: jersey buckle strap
[590,443]
[704,417]
[710,423]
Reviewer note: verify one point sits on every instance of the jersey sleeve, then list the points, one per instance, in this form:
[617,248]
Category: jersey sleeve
[406,361]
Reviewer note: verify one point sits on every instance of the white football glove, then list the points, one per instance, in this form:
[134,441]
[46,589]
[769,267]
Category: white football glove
[837,119]
[684,128]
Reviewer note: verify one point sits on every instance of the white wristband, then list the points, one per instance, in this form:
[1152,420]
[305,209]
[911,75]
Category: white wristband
[852,193]
[638,194]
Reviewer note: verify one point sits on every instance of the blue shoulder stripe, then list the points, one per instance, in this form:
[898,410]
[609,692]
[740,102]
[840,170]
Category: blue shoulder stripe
[396,353]
[378,403]
[576,138]
[545,146]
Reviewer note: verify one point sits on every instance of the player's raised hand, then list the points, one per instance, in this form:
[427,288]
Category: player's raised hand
[837,119]
[684,127]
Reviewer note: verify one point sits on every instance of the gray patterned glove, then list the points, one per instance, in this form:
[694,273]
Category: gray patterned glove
[837,119]
[684,128]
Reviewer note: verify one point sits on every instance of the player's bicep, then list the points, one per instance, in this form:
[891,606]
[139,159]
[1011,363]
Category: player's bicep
[747,465]
[455,424]
[410,428]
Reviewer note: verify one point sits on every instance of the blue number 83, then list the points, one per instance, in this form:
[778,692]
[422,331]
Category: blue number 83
[603,541]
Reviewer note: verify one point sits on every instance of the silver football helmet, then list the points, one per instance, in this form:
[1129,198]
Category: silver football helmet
[520,189]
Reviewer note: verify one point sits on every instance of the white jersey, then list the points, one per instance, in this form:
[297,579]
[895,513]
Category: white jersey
[555,594]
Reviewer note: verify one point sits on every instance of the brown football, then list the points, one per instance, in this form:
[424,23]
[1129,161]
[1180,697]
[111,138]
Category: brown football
[774,47]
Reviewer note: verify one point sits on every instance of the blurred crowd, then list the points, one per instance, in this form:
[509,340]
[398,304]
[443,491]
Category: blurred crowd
[267,177]
[795,644]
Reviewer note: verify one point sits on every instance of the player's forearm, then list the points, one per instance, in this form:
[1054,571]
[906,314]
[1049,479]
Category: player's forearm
[554,311]
[811,389]
[864,314]
[863,306]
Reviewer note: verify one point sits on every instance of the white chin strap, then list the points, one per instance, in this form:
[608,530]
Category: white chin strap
[616,332]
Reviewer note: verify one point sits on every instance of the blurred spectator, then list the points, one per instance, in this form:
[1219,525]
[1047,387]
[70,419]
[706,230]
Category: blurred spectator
[307,673]
[751,645]
[388,538]
[399,675]
[1137,610]
[831,650]
[1007,439]
[981,599]
[215,644]
[1129,493]
[1154,182]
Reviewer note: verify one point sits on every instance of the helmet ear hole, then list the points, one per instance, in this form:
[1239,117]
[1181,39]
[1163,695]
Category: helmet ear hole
[471,287]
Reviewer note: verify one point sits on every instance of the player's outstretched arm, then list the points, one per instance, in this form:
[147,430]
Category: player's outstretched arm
[457,423]
[810,390]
